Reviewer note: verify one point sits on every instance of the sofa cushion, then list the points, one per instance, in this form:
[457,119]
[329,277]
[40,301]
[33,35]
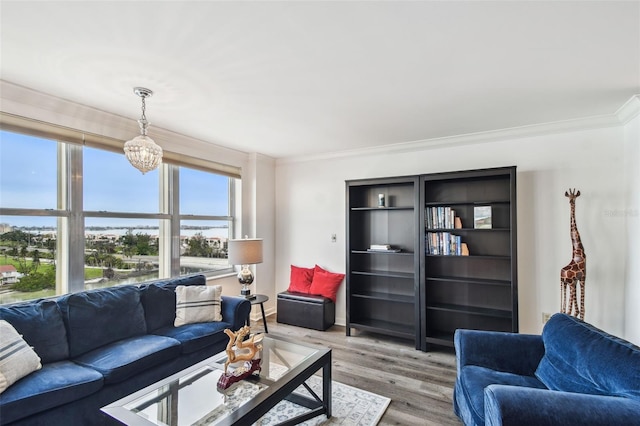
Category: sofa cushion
[120,360]
[159,304]
[582,358]
[193,337]
[200,303]
[98,317]
[17,359]
[172,283]
[159,300]
[55,384]
[41,325]
[473,379]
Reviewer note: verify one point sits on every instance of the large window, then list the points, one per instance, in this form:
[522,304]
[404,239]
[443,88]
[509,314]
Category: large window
[110,184]
[27,172]
[205,220]
[74,217]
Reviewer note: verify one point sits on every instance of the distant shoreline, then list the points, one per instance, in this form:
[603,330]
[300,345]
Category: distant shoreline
[185,231]
[106,228]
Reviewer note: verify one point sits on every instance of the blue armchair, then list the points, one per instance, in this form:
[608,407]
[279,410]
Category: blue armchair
[573,374]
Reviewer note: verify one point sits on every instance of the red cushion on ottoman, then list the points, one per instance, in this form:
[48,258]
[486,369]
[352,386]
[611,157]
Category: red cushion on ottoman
[325,283]
[300,280]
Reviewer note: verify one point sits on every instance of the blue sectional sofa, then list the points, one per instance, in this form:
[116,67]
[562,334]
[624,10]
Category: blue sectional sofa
[97,346]
[573,374]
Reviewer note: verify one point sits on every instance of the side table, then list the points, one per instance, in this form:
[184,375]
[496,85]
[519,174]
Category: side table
[260,299]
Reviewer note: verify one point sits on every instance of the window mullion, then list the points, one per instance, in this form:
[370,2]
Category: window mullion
[71,229]
[169,228]
[174,197]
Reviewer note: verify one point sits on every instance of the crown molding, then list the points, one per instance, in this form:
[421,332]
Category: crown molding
[630,110]
[30,103]
[623,115]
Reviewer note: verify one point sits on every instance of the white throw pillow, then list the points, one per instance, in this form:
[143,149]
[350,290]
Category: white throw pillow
[17,358]
[197,303]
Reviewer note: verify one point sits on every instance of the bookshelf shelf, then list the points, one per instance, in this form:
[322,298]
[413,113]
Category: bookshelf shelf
[384,253]
[380,209]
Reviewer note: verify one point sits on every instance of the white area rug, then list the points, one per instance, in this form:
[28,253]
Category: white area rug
[350,407]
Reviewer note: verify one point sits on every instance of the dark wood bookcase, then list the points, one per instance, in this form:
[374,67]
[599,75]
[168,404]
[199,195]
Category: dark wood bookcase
[382,286]
[477,291]
[417,291]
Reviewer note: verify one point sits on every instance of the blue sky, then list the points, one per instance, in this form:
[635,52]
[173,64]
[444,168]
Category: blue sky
[28,179]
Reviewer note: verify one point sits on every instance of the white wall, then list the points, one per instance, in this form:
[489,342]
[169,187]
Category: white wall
[631,214]
[311,206]
[262,219]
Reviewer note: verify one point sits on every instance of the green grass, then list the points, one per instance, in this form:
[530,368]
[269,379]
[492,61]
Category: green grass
[92,273]
[89,273]
[10,261]
[18,296]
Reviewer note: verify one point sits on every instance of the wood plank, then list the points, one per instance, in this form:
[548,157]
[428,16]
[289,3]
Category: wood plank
[419,384]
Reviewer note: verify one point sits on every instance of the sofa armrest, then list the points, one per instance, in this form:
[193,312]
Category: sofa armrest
[500,351]
[512,405]
[235,311]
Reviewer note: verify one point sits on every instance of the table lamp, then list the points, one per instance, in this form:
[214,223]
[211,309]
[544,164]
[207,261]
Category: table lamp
[245,252]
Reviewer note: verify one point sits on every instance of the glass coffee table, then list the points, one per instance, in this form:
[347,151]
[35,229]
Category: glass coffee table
[190,397]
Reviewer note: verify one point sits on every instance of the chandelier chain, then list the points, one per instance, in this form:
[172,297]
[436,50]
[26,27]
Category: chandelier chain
[144,107]
[143,120]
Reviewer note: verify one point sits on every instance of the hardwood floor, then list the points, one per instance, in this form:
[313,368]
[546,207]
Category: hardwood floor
[419,384]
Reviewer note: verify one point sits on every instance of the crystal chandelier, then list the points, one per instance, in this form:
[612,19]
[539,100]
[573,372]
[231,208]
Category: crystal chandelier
[141,151]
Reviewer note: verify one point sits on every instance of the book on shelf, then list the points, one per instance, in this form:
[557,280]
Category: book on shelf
[383,248]
[441,217]
[444,244]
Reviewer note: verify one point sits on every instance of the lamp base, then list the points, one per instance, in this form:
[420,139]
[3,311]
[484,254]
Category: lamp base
[245,278]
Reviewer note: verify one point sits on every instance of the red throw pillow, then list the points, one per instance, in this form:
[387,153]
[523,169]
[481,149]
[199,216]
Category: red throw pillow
[325,283]
[300,279]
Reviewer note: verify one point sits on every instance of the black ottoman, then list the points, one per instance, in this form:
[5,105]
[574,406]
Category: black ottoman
[306,310]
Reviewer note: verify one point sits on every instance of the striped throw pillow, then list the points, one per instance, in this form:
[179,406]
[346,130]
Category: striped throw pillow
[17,358]
[197,303]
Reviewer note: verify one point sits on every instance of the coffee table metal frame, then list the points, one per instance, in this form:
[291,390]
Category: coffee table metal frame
[248,413]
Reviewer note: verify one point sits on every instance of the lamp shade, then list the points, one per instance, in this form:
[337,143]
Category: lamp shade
[247,251]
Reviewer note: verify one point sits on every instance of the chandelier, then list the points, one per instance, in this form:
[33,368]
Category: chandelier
[141,151]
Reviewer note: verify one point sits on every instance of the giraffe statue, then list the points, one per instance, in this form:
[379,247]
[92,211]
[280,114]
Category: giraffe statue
[576,271]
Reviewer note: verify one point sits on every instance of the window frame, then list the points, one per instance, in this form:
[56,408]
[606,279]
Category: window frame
[71,215]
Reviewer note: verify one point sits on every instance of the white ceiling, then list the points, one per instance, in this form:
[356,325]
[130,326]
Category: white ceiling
[302,78]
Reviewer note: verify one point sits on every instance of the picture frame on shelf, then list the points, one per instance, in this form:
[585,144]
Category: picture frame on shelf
[482,217]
